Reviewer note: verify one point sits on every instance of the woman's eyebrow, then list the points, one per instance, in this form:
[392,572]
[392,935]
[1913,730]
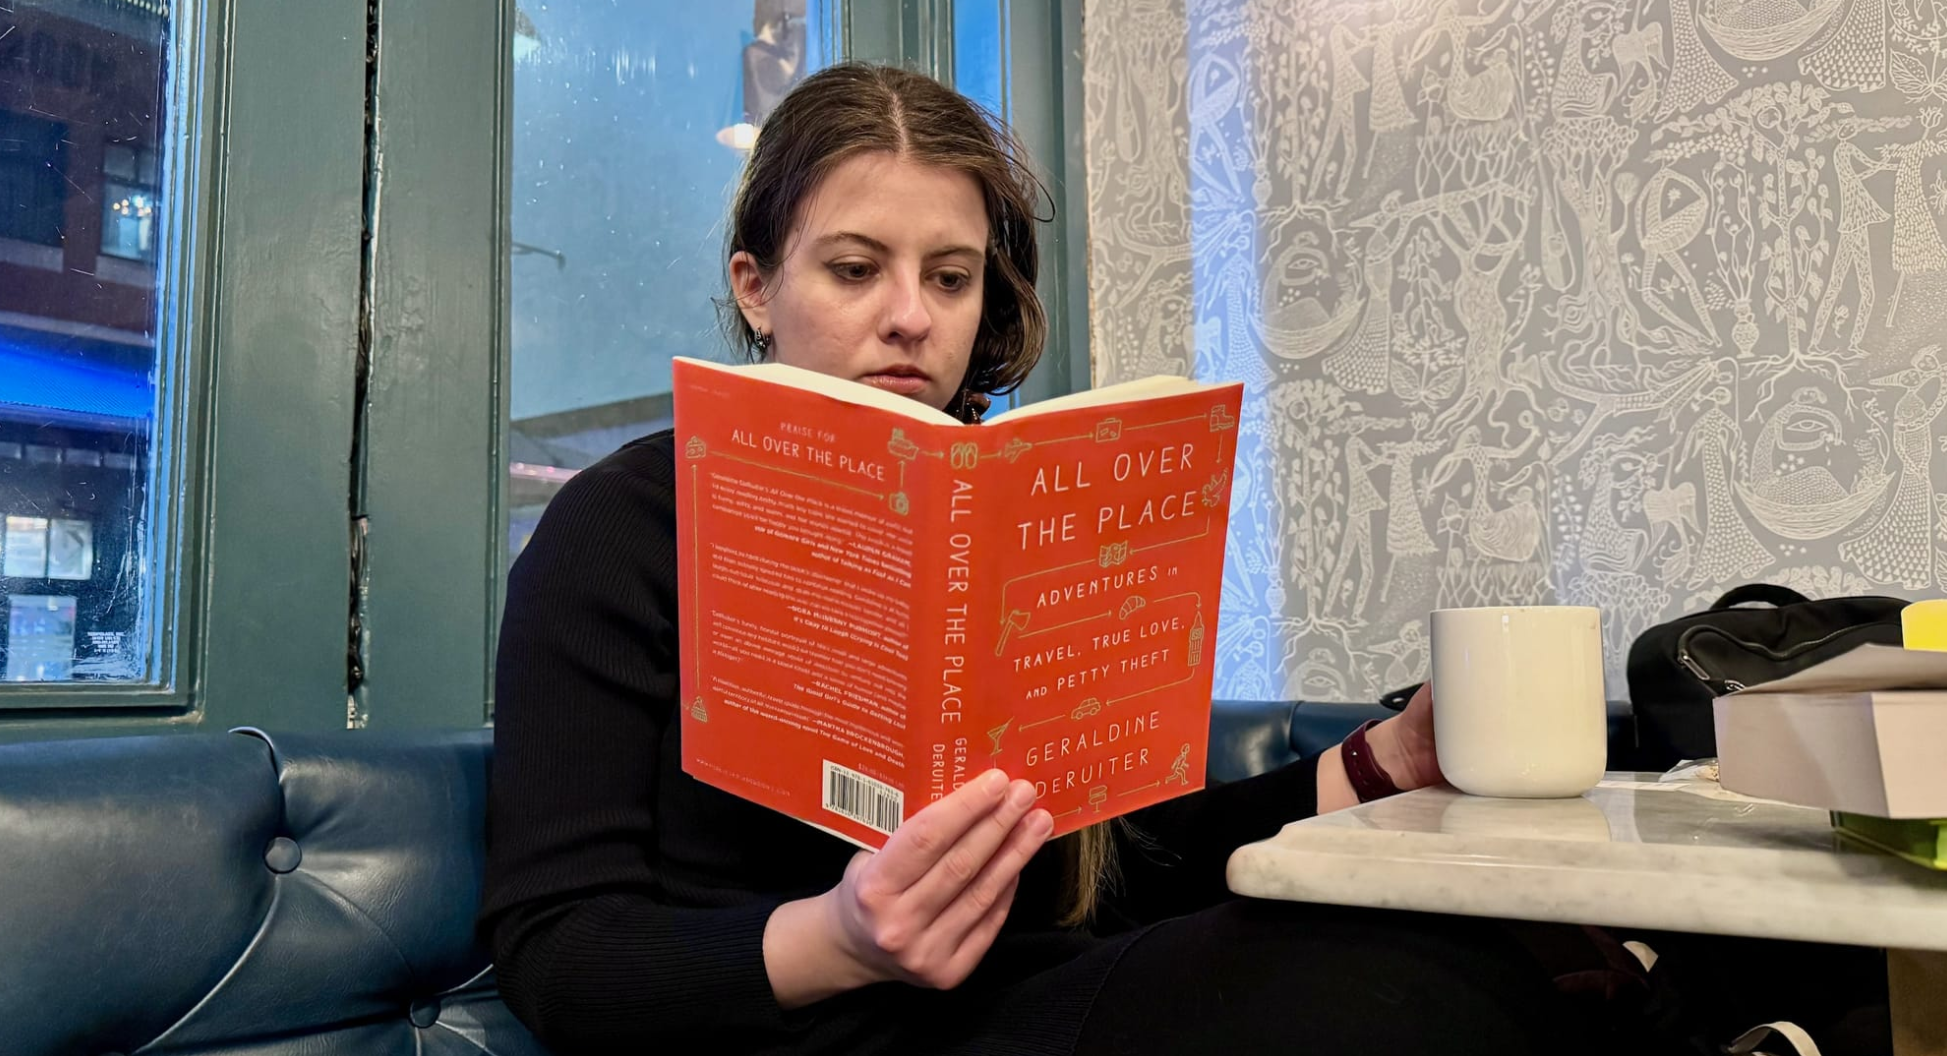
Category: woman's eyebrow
[876,246]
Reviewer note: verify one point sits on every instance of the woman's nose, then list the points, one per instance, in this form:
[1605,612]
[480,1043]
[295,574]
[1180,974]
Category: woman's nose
[907,317]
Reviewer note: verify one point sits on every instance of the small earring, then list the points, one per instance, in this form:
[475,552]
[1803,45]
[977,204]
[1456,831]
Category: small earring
[761,341]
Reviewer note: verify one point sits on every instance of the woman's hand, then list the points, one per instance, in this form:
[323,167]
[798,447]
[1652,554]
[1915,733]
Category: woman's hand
[1403,744]
[922,910]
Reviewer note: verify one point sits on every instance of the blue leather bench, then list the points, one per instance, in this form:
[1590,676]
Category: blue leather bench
[306,895]
[242,893]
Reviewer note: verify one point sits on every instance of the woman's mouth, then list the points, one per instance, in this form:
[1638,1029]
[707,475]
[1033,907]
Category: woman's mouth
[903,382]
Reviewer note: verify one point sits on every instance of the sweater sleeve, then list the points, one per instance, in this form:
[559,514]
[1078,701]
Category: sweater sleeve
[589,952]
[1171,857]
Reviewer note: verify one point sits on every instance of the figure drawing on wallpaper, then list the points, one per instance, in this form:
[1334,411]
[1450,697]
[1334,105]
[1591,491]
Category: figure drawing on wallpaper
[1898,549]
[1730,203]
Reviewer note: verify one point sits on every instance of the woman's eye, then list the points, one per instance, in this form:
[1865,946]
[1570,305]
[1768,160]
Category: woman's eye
[852,271]
[954,281]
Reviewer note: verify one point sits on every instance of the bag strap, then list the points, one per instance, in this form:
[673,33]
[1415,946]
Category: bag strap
[1770,593]
[1748,1042]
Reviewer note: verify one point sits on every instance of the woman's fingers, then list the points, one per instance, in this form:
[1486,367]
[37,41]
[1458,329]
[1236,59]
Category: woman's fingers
[966,859]
[961,920]
[927,836]
[979,940]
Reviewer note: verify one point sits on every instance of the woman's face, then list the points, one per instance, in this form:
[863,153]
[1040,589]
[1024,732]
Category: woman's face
[881,280]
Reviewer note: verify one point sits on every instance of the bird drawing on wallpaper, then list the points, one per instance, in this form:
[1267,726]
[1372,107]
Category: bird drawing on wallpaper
[1898,548]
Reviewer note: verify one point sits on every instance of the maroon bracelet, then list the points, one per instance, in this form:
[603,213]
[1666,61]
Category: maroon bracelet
[1368,778]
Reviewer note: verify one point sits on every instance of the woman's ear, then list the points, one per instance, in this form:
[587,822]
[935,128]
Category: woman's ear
[747,285]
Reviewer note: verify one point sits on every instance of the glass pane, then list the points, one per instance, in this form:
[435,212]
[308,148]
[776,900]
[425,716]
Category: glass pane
[81,131]
[631,124]
[980,52]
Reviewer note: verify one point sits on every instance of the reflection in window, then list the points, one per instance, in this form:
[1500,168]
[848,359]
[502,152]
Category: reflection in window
[40,638]
[129,202]
[631,126]
[81,197]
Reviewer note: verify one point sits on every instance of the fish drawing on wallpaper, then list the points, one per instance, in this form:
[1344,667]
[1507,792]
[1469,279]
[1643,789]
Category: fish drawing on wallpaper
[1898,548]
[1793,496]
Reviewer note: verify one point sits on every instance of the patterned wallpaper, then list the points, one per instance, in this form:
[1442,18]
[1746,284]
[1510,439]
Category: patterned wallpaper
[1612,302]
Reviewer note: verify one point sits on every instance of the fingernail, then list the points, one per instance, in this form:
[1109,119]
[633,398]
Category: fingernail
[1020,795]
[992,781]
[1040,823]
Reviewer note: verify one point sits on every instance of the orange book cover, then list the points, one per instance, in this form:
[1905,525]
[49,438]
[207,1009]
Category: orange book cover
[879,603]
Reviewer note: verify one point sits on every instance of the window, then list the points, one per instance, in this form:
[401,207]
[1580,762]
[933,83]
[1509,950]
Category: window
[630,132]
[82,125]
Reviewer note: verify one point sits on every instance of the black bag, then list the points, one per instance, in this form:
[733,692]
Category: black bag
[1677,668]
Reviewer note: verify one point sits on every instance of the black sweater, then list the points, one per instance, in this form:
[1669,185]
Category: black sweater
[625,902]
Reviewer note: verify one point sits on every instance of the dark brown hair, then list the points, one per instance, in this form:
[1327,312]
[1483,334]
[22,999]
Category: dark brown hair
[851,109]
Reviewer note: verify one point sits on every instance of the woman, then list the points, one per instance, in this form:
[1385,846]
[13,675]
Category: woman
[884,233]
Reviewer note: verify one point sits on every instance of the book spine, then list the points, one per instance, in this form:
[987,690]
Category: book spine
[942,744]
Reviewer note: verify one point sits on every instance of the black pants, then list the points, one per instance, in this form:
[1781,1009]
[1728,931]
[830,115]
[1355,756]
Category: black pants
[1267,977]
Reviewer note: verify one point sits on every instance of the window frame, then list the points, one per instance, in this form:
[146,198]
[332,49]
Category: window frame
[246,501]
[329,484]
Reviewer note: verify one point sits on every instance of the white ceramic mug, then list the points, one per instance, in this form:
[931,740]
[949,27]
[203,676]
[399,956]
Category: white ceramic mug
[1517,700]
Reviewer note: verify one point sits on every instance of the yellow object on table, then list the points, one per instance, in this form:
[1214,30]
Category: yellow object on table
[1924,625]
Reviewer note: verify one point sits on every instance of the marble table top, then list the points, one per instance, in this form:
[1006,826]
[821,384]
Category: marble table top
[1633,852]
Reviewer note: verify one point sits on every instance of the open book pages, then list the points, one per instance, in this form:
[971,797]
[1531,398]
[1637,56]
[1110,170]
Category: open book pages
[865,395]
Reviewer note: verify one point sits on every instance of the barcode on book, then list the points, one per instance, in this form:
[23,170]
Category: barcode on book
[873,804]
